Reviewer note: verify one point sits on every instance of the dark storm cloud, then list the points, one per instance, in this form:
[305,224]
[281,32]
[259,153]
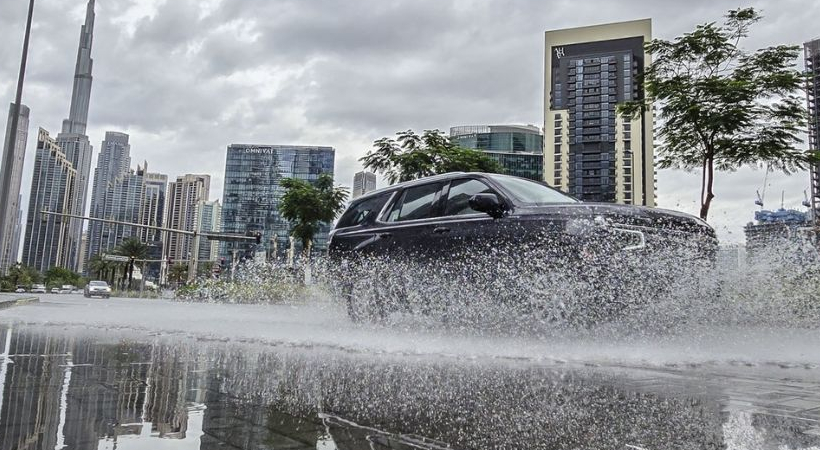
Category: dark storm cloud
[186,78]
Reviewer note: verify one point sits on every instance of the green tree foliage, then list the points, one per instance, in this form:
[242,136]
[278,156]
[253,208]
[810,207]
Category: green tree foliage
[306,205]
[178,273]
[411,156]
[134,249]
[23,275]
[58,276]
[722,107]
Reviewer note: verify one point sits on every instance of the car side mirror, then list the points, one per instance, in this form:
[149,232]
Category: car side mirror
[488,203]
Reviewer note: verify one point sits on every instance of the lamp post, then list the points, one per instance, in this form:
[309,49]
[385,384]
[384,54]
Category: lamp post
[8,158]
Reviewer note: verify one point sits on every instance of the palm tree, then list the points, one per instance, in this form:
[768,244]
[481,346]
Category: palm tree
[134,249]
[306,205]
[178,272]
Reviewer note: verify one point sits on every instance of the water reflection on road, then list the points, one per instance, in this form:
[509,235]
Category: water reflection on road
[64,390]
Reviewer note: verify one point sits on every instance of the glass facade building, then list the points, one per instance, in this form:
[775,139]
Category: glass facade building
[517,148]
[591,151]
[250,203]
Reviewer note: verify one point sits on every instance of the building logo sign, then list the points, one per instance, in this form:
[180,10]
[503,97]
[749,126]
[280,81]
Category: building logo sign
[258,150]
[559,52]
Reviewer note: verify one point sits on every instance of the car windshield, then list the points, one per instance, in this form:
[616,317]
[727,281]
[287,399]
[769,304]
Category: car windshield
[98,283]
[526,191]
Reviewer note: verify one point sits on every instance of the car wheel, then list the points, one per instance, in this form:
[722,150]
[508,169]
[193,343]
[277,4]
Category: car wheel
[86,296]
[364,302]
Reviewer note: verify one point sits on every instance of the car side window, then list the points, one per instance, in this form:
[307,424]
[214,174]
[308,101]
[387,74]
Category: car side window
[458,200]
[364,211]
[415,203]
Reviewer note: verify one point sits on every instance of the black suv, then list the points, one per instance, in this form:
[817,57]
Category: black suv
[457,218]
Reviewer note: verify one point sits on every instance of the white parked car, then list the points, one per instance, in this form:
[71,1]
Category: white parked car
[97,289]
[21,290]
[67,288]
[55,290]
[38,289]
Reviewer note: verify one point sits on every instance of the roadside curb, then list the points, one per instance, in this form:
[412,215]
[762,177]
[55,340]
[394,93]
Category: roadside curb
[11,302]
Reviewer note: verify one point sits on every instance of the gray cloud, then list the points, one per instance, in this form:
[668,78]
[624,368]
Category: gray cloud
[187,78]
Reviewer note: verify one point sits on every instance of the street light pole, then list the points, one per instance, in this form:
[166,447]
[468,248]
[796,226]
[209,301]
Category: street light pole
[8,157]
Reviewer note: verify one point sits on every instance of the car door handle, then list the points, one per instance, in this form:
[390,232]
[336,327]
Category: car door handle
[385,235]
[440,230]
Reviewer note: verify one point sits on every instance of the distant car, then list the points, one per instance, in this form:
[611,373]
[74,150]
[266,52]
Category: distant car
[55,290]
[97,289]
[21,290]
[38,289]
[66,289]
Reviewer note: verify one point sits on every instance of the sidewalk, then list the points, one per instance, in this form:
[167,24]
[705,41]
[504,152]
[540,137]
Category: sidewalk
[10,300]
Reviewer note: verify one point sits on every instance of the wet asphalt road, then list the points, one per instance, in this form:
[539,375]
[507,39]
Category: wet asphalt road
[144,373]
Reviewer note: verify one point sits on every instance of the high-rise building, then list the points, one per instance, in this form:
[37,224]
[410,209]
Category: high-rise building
[124,205]
[184,195]
[47,236]
[113,163]
[18,230]
[9,234]
[812,52]
[363,182]
[590,150]
[519,149]
[73,140]
[253,176]
[152,212]
[210,219]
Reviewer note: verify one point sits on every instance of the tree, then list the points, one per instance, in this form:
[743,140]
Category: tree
[411,156]
[178,272]
[134,249]
[306,205]
[58,276]
[24,275]
[722,107]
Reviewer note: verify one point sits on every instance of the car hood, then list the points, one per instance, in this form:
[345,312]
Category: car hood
[639,216]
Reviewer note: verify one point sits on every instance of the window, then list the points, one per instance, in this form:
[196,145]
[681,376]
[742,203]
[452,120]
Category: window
[364,211]
[527,191]
[415,203]
[459,197]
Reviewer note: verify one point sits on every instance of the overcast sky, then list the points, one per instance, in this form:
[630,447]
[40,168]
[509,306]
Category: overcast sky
[185,78]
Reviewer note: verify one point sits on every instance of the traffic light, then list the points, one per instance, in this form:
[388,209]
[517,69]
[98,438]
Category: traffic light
[258,237]
[222,262]
[170,261]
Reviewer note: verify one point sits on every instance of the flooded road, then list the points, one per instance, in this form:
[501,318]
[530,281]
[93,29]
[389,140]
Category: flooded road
[90,374]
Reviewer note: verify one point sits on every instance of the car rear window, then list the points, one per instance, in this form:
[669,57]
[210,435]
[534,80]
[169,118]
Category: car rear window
[415,203]
[363,211]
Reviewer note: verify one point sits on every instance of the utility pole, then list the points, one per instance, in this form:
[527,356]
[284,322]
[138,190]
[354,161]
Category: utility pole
[8,160]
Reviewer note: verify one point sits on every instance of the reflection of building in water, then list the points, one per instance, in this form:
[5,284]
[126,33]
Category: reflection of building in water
[31,385]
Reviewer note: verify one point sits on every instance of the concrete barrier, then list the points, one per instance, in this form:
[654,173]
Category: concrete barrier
[8,301]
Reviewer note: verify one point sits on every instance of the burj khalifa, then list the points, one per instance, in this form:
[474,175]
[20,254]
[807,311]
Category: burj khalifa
[73,140]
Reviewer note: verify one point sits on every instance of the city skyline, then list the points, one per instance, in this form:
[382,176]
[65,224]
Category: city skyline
[505,91]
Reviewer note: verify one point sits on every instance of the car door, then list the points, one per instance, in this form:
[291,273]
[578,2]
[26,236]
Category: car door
[411,219]
[357,231]
[463,230]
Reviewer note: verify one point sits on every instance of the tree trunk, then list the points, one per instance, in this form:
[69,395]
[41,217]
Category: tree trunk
[706,188]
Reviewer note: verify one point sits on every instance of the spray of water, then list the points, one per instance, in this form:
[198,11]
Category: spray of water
[540,290]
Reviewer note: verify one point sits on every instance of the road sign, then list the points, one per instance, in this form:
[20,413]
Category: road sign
[116,258]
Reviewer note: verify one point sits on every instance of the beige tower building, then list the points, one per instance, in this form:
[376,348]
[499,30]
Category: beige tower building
[184,195]
[591,151]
